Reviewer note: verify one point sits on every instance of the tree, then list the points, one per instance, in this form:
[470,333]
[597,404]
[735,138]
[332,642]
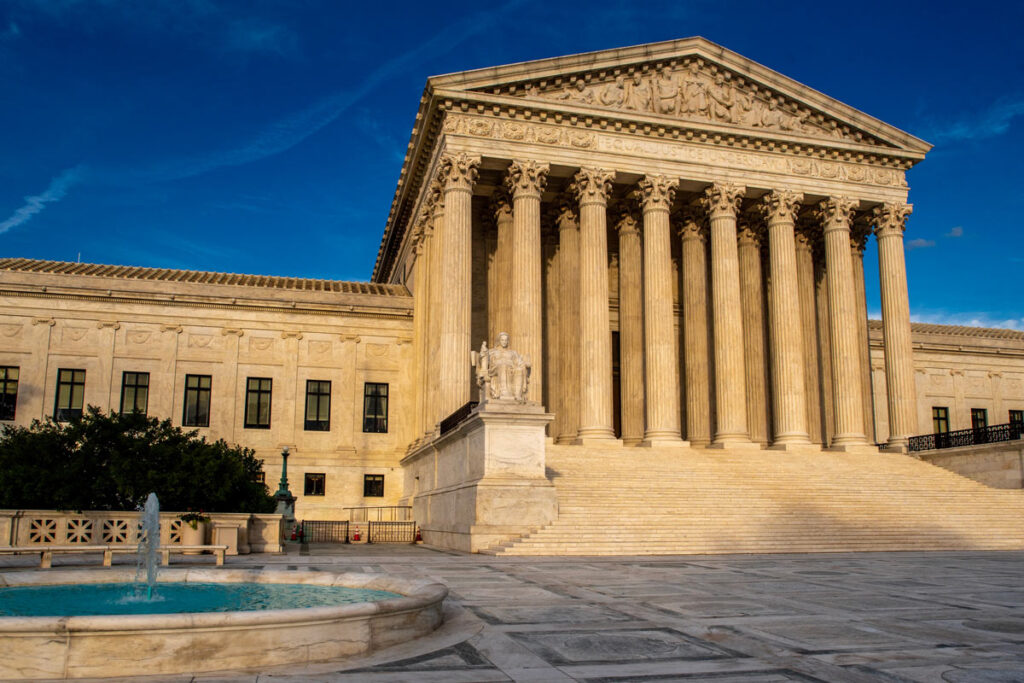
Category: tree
[113,462]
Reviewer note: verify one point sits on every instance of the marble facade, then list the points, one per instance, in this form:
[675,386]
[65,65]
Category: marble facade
[672,234]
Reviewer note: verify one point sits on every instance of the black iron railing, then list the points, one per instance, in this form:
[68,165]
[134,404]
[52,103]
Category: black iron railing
[391,532]
[324,531]
[967,437]
[453,420]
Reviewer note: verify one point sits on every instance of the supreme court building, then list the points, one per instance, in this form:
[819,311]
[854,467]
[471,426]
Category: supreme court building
[671,234]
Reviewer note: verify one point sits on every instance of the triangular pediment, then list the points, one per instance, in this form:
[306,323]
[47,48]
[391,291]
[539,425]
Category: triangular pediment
[686,81]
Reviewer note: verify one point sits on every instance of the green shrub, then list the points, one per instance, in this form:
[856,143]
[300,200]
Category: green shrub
[112,462]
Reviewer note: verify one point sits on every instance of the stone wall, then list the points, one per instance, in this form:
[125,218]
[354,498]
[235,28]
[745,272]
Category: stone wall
[999,465]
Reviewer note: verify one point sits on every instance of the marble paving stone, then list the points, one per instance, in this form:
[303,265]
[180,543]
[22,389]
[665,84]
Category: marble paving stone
[564,647]
[711,608]
[556,614]
[820,635]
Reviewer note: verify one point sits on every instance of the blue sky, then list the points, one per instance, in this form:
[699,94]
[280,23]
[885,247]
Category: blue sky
[267,136]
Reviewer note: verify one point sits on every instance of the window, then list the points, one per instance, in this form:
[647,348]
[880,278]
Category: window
[261,477]
[318,405]
[940,420]
[979,418]
[1017,417]
[8,392]
[135,392]
[197,401]
[315,484]
[257,403]
[375,407]
[373,485]
[70,394]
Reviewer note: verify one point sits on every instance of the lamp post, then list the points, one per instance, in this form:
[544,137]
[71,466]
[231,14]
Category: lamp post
[284,497]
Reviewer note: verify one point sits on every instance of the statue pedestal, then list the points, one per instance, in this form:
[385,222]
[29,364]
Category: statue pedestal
[483,482]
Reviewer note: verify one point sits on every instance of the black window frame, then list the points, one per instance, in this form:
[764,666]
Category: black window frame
[9,391]
[374,422]
[320,397]
[1016,417]
[256,422]
[940,415]
[69,412]
[198,392]
[373,486]
[309,484]
[977,413]
[134,386]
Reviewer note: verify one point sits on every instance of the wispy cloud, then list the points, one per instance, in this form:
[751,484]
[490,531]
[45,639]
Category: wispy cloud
[11,32]
[956,231]
[288,132]
[919,243]
[35,203]
[991,122]
[968,318]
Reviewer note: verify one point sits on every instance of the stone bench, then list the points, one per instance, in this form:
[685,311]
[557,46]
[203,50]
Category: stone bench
[217,550]
[46,551]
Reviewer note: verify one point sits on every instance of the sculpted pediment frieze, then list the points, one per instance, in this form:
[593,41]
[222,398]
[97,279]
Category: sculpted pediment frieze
[691,89]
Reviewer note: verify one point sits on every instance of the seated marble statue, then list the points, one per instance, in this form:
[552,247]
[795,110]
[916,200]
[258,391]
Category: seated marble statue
[501,373]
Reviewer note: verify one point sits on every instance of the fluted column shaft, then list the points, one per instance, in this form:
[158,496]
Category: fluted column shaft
[696,362]
[789,397]
[569,322]
[552,264]
[501,316]
[858,242]
[459,173]
[419,304]
[722,200]
[661,363]
[432,409]
[890,221]
[809,330]
[592,187]
[846,395]
[526,181]
[752,295]
[631,330]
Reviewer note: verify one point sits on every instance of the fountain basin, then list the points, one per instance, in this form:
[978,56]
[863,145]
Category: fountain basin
[151,644]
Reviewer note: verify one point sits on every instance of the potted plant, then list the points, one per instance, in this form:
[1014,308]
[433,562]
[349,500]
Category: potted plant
[193,529]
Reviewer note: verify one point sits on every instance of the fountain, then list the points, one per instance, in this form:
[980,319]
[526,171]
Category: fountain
[56,623]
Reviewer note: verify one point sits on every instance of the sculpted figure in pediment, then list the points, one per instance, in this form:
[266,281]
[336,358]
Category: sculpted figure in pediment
[720,97]
[577,92]
[667,93]
[695,95]
[614,94]
[638,94]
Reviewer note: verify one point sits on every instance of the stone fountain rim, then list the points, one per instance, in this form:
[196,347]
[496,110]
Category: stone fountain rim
[414,595]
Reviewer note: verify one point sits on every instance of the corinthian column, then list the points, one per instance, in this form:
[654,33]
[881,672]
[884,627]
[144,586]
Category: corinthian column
[525,182]
[592,186]
[858,242]
[500,316]
[661,363]
[788,389]
[432,409]
[693,235]
[569,322]
[890,221]
[835,214]
[458,174]
[631,330]
[752,295]
[722,201]
[419,325]
[809,327]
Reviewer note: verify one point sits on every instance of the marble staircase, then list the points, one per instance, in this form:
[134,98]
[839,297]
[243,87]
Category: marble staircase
[661,501]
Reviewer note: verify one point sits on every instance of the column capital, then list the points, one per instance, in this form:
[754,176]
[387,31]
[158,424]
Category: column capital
[592,185]
[836,213]
[526,178]
[781,205]
[749,227]
[692,224]
[723,199]
[501,206]
[860,230]
[458,171]
[656,192]
[568,217]
[627,224]
[891,218]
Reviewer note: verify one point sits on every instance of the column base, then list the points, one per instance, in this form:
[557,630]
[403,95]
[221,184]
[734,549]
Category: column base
[862,447]
[597,442]
[633,441]
[795,447]
[738,444]
[664,442]
[897,446]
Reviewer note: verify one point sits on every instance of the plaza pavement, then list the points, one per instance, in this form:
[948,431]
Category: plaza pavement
[943,616]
